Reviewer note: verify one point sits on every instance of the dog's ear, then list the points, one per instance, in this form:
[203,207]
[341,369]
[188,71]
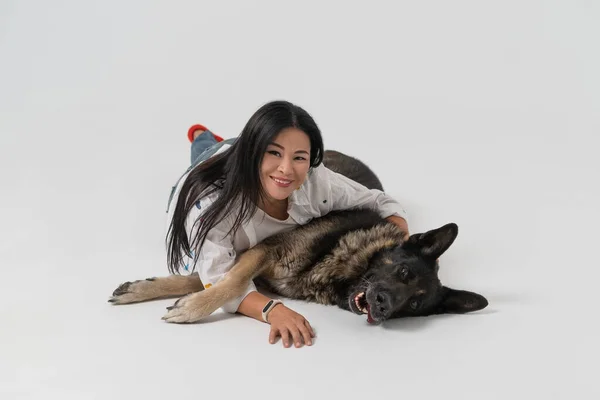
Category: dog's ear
[460,302]
[432,244]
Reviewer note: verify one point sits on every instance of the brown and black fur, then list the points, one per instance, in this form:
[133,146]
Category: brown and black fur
[353,259]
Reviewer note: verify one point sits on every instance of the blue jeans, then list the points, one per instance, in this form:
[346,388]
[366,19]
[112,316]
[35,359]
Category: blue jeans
[203,147]
[201,144]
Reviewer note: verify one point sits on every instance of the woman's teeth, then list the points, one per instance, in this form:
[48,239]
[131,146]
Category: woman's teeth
[281,182]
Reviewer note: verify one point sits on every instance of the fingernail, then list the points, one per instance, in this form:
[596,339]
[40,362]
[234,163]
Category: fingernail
[297,344]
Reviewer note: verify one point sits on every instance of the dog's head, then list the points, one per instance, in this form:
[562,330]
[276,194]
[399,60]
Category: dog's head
[403,281]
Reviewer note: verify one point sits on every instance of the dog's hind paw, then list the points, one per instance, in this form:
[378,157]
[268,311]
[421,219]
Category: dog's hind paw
[133,292]
[192,308]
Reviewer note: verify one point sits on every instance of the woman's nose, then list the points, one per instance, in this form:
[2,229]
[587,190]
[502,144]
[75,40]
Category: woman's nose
[285,166]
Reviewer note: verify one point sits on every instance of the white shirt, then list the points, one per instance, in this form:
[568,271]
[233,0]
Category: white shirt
[322,191]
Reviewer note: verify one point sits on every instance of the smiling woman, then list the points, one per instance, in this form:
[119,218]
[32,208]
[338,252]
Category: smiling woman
[240,191]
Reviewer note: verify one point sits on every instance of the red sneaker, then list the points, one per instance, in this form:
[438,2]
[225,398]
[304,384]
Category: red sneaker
[196,127]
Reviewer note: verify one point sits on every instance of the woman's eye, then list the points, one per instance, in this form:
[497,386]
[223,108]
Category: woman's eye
[278,154]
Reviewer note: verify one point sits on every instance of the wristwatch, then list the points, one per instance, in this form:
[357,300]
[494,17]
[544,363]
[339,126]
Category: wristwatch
[268,307]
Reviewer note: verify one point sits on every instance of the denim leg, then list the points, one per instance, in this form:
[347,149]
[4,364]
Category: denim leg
[203,147]
[203,142]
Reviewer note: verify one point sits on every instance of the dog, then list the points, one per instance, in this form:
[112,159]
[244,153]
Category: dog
[353,259]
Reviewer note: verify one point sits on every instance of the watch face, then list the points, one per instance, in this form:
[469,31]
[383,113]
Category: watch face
[267,306]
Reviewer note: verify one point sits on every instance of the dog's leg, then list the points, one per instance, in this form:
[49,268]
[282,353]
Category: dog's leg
[154,288]
[196,306]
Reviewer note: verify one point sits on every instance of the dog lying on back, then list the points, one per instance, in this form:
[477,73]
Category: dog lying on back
[353,259]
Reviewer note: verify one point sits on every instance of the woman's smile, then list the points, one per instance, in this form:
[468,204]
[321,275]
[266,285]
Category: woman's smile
[281,182]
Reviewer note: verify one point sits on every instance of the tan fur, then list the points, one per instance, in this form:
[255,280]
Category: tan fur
[196,306]
[154,288]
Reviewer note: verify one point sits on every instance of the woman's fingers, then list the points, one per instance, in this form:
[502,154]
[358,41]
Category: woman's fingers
[310,329]
[285,336]
[305,332]
[296,336]
[273,335]
[292,327]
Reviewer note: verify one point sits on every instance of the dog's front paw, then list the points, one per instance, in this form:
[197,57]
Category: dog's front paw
[191,308]
[133,292]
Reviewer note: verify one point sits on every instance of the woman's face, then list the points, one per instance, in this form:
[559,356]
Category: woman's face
[285,163]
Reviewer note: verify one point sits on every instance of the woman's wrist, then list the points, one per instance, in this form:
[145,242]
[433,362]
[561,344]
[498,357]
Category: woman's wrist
[266,311]
[253,305]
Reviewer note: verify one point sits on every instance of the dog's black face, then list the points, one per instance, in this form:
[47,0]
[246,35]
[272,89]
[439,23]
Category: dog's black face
[403,281]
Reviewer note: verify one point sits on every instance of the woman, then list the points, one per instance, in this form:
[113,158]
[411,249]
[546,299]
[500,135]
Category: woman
[240,191]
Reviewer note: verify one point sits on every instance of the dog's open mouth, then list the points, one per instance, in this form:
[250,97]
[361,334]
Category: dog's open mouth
[360,301]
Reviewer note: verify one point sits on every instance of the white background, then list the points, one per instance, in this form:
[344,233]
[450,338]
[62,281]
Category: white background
[480,113]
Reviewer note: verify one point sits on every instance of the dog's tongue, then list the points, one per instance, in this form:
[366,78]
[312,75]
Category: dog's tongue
[369,318]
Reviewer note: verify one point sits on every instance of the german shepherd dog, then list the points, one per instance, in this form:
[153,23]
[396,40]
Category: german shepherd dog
[353,259]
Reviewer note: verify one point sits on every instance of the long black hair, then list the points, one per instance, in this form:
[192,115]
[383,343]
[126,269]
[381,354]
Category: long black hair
[235,174]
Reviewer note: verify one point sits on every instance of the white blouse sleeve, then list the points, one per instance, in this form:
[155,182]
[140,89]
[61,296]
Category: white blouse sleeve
[346,194]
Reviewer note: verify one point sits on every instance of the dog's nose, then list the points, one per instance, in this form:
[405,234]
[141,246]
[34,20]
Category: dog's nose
[383,302]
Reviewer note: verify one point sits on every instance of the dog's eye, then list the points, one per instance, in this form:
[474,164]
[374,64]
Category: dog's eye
[404,273]
[414,304]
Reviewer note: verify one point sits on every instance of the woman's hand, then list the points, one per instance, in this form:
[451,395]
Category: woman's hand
[290,325]
[402,224]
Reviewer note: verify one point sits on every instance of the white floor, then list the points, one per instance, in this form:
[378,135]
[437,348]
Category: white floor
[472,112]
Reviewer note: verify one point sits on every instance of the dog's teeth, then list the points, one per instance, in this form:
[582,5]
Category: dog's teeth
[357,300]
